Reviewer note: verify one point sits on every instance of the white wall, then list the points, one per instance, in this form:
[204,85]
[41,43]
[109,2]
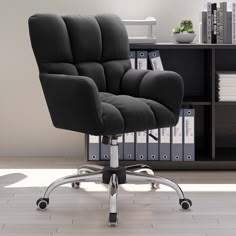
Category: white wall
[25,126]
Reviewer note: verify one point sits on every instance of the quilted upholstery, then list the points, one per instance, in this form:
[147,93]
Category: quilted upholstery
[133,113]
[87,78]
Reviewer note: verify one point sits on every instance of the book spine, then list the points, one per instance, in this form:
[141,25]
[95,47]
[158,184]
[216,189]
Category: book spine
[233,23]
[218,26]
[224,19]
[213,23]
[221,24]
[229,27]
[209,22]
[204,27]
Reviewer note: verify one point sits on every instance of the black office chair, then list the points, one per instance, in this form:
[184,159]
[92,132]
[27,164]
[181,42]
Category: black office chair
[90,88]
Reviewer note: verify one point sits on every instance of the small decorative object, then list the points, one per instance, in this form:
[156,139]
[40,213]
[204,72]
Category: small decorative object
[184,33]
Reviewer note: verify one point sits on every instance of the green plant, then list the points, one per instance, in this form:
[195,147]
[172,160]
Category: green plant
[185,26]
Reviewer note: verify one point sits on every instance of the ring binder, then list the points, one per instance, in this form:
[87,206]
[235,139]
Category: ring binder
[189,146]
[93,148]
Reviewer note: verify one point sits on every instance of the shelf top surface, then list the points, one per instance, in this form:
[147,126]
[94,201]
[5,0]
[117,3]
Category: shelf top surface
[171,45]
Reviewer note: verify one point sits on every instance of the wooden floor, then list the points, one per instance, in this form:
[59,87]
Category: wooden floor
[142,211]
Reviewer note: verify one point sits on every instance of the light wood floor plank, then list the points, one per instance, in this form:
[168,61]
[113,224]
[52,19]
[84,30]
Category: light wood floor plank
[142,211]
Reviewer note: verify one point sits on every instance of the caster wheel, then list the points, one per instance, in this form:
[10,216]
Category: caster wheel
[155,186]
[42,203]
[75,185]
[185,203]
[113,220]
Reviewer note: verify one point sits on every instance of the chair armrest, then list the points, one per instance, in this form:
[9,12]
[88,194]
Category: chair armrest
[73,102]
[165,87]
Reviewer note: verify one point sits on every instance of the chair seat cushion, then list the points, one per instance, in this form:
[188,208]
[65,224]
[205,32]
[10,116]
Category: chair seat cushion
[123,114]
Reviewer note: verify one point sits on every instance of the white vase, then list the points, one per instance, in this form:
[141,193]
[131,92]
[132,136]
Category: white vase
[184,37]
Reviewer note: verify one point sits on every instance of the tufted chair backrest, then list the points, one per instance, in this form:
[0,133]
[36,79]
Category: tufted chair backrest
[96,47]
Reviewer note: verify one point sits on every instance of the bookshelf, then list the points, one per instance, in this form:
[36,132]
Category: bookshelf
[215,122]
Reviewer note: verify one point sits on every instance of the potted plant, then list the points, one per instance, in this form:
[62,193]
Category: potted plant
[184,33]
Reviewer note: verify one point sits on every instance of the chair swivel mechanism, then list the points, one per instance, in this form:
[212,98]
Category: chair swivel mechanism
[90,87]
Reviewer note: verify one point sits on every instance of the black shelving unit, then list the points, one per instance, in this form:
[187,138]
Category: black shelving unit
[215,122]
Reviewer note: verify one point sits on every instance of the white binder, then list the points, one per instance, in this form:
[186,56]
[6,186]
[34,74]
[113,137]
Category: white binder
[120,147]
[142,60]
[93,148]
[189,145]
[141,146]
[153,145]
[165,144]
[155,60]
[129,146]
[177,140]
[132,57]
[105,152]
[209,23]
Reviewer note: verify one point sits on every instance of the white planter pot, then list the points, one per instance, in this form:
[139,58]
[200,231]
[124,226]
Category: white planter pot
[184,37]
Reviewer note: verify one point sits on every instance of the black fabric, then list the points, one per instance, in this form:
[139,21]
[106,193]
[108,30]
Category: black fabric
[164,87]
[85,38]
[114,71]
[87,78]
[50,39]
[73,102]
[115,44]
[131,81]
[58,68]
[95,71]
[133,113]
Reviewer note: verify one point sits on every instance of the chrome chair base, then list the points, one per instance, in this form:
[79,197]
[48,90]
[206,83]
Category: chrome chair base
[94,173]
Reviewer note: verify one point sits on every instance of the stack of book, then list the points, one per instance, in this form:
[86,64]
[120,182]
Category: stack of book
[219,23]
[226,86]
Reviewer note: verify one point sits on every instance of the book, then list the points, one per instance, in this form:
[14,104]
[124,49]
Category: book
[229,28]
[214,23]
[233,23]
[223,6]
[225,86]
[218,26]
[209,23]
[226,74]
[204,26]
